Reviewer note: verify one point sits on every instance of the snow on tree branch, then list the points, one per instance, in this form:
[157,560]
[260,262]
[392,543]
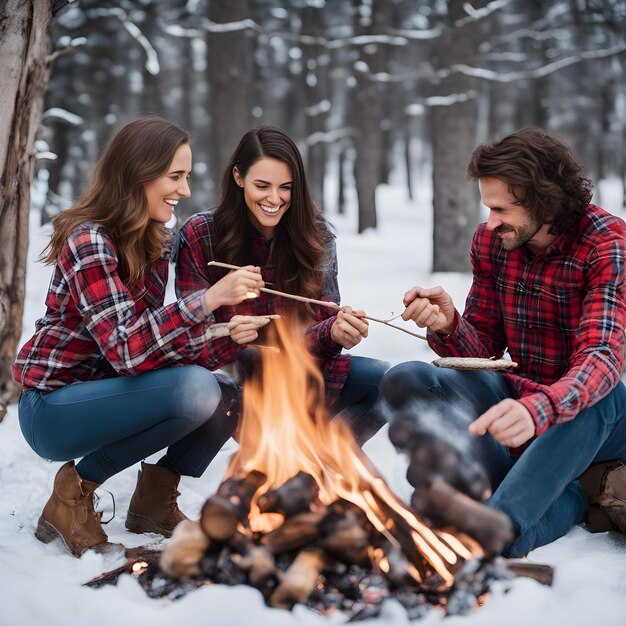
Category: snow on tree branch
[65,116]
[473,15]
[418,34]
[507,77]
[328,137]
[428,73]
[228,27]
[152,60]
[453,98]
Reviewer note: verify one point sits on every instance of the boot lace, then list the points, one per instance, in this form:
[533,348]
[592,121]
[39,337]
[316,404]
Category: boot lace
[99,514]
[174,493]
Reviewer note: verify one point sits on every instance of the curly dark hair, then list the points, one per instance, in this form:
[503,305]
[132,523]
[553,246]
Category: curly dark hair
[542,173]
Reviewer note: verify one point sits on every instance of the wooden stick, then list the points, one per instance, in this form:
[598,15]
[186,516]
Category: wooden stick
[330,305]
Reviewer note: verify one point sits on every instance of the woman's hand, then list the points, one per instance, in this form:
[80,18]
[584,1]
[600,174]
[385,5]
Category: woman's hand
[234,288]
[244,328]
[349,327]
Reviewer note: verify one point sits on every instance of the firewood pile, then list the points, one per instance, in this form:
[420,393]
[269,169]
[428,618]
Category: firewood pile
[327,557]
[303,516]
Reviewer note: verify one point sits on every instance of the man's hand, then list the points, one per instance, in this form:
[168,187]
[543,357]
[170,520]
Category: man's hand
[509,422]
[429,308]
[349,327]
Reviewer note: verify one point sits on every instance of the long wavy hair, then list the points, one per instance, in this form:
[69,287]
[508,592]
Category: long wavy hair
[298,247]
[139,152]
[542,173]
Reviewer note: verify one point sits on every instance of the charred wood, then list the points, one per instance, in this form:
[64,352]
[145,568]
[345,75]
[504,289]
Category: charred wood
[294,496]
[182,555]
[543,574]
[446,506]
[258,562]
[402,533]
[300,579]
[345,533]
[230,506]
[296,532]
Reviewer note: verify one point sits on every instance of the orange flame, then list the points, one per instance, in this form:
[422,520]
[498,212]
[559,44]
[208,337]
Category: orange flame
[285,430]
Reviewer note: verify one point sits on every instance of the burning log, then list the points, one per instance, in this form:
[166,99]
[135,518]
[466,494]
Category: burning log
[345,533]
[294,496]
[296,532]
[444,505]
[229,506]
[182,555]
[300,579]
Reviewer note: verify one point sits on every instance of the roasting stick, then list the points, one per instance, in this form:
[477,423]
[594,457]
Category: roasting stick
[330,305]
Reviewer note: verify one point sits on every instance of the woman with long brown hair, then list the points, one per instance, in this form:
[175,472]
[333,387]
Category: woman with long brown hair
[267,218]
[112,374]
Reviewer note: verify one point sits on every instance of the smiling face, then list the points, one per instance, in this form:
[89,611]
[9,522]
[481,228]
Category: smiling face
[164,192]
[512,222]
[267,192]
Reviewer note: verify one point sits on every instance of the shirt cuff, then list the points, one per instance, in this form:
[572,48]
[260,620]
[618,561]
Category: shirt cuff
[192,306]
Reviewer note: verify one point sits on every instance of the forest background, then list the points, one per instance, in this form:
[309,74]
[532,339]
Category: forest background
[369,89]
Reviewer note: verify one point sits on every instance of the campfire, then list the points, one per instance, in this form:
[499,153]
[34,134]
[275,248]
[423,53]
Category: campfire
[304,516]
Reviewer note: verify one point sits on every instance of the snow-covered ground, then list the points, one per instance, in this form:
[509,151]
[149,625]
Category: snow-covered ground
[42,584]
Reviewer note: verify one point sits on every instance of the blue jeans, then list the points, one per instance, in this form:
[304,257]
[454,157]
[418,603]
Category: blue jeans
[538,490]
[116,422]
[358,402]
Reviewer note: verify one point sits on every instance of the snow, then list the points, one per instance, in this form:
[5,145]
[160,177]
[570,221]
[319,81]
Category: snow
[42,584]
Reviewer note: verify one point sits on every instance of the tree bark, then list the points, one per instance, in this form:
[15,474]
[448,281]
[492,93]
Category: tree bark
[456,206]
[230,78]
[368,112]
[24,74]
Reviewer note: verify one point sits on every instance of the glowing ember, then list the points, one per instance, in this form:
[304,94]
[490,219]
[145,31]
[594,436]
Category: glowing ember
[284,430]
[139,567]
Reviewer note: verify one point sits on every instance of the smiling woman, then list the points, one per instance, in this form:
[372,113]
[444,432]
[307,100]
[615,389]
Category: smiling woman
[164,192]
[111,374]
[267,218]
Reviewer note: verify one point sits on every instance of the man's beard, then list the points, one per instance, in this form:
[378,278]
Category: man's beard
[523,234]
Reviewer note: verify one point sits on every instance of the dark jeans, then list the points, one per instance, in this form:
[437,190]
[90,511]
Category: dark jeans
[537,490]
[116,422]
[358,402]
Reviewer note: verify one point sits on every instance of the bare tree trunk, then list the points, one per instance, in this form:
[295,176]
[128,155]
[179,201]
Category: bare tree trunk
[367,113]
[456,207]
[24,75]
[316,115]
[230,82]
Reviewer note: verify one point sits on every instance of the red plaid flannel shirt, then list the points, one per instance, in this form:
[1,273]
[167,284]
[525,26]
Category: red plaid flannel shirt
[95,328]
[195,249]
[561,315]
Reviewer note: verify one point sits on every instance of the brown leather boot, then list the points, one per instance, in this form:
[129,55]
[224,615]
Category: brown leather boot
[69,513]
[604,485]
[153,507]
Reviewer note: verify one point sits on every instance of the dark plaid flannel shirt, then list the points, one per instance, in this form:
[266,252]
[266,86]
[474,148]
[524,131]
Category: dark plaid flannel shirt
[561,315]
[195,248]
[95,328]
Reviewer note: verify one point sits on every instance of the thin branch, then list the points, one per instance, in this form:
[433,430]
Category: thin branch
[330,305]
[473,15]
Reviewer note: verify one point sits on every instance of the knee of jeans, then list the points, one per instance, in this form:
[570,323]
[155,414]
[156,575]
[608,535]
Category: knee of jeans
[405,382]
[199,394]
